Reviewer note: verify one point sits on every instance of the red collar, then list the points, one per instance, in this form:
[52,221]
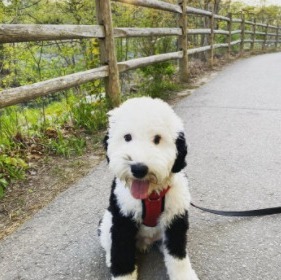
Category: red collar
[153,206]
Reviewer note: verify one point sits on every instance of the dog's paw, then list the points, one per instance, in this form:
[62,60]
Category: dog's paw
[132,276]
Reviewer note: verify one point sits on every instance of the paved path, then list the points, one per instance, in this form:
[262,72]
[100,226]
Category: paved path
[233,126]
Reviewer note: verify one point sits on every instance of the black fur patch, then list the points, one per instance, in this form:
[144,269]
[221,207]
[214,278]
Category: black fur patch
[176,236]
[105,144]
[180,162]
[123,233]
[143,209]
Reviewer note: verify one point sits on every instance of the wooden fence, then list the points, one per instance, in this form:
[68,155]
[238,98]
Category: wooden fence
[11,33]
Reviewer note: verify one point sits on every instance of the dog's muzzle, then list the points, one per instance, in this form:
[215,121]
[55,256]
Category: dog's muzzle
[142,181]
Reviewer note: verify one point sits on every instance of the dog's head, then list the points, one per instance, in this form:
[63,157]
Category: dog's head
[145,144]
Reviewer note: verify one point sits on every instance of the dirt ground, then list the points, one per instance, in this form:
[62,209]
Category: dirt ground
[50,176]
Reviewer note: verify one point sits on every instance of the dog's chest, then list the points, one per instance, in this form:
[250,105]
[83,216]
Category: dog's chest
[147,236]
[177,201]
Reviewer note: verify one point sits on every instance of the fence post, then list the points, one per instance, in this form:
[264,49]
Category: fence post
[253,35]
[229,39]
[108,52]
[242,34]
[183,46]
[212,37]
[265,38]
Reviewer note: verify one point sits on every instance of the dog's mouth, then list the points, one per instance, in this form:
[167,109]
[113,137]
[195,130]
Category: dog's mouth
[139,189]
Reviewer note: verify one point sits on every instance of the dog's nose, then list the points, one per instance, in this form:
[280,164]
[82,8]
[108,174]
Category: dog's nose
[139,170]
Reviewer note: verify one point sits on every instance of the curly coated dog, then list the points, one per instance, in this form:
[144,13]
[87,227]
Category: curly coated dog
[149,199]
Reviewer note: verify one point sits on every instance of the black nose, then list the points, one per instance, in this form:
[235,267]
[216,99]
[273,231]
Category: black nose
[139,170]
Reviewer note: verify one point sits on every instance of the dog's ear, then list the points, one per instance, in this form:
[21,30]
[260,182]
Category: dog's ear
[105,144]
[181,145]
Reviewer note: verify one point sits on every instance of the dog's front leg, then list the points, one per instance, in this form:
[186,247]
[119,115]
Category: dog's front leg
[123,249]
[176,258]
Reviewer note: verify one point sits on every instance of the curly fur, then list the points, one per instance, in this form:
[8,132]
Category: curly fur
[146,141]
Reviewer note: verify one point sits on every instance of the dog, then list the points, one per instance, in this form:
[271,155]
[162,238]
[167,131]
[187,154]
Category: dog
[146,149]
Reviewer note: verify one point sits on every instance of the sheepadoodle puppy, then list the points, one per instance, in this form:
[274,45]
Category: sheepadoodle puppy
[149,198]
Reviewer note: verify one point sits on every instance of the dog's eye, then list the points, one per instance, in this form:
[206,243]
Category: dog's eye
[157,139]
[128,137]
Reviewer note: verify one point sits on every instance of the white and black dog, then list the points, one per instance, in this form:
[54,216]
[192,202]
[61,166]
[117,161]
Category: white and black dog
[149,199]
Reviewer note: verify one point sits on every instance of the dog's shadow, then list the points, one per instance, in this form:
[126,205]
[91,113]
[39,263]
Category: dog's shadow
[151,265]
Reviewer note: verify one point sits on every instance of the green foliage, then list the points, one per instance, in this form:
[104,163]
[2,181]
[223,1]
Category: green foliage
[49,12]
[263,13]
[159,79]
[11,168]
[26,63]
[90,115]
[3,185]
[50,128]
[71,113]
[66,146]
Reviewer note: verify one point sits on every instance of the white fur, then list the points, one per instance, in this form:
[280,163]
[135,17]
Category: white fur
[143,118]
[147,236]
[179,269]
[126,202]
[105,237]
[177,199]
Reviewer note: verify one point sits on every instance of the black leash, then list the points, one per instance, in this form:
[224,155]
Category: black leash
[247,213]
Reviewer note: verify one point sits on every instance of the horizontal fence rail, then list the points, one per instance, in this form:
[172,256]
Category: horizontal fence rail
[13,33]
[16,33]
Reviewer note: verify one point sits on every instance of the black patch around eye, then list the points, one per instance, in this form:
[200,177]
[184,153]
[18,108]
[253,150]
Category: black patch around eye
[157,139]
[128,137]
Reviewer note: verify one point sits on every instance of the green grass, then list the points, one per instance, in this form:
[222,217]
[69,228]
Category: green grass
[58,128]
[159,80]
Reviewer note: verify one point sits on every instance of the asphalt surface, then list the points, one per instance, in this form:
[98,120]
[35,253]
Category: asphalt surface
[233,127]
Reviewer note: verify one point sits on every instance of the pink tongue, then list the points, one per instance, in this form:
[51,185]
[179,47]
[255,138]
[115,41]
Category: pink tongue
[139,189]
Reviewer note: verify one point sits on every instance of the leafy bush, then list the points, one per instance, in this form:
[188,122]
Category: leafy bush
[90,115]
[11,168]
[159,79]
